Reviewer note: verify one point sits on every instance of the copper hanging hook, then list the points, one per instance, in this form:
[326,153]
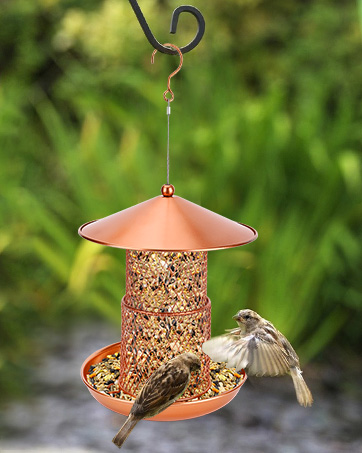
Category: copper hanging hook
[172,74]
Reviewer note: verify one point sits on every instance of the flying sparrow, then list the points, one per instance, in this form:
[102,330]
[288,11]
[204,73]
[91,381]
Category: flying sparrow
[161,389]
[261,349]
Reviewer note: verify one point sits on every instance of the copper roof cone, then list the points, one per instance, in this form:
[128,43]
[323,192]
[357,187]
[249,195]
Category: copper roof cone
[167,223]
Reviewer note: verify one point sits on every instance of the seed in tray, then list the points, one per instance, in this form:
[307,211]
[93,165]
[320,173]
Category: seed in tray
[222,378]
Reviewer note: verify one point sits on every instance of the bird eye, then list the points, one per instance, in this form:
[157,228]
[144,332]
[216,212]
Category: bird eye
[246,317]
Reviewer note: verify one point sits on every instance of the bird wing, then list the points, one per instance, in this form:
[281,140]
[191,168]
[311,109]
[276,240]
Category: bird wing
[221,349]
[266,357]
[161,390]
[256,352]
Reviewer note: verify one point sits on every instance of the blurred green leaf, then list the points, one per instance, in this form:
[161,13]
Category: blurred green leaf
[265,130]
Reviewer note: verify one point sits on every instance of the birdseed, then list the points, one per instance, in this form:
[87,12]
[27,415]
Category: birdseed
[165,312]
[103,376]
[166,282]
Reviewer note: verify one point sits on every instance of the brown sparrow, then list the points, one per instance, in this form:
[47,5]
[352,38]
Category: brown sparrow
[261,349]
[161,389]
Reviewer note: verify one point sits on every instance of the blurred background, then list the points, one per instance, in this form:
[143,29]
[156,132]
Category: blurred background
[265,130]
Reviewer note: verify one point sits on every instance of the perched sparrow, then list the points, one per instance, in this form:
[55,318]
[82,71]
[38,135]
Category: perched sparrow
[261,349]
[162,389]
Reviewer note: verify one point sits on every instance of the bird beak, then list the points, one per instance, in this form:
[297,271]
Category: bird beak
[236,317]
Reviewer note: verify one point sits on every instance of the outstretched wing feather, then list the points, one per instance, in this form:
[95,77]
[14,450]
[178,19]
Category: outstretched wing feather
[257,353]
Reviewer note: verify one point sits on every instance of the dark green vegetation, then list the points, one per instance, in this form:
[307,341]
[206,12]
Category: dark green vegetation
[265,129]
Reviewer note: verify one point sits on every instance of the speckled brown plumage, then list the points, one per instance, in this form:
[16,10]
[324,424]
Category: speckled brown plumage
[259,348]
[162,389]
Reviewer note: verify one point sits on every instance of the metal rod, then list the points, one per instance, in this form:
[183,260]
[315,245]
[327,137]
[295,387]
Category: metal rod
[173,27]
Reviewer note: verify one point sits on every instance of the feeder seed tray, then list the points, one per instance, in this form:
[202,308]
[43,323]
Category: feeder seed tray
[178,411]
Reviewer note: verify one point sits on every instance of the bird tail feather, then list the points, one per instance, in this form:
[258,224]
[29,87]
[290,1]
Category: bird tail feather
[125,431]
[304,395]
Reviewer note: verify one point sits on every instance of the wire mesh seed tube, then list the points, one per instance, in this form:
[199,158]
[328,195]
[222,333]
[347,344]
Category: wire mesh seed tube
[165,312]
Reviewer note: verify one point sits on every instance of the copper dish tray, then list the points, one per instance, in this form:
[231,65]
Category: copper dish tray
[178,411]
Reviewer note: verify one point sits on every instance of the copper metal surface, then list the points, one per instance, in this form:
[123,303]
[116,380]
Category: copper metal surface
[165,312]
[172,74]
[167,224]
[177,411]
[167,190]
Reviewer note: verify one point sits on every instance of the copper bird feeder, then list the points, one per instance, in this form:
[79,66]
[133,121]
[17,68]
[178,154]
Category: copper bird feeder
[165,310]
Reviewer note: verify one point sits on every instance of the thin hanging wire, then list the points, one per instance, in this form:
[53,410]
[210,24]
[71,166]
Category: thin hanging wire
[168,112]
[169,100]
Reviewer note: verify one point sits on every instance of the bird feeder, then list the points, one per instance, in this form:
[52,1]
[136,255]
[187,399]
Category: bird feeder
[165,310]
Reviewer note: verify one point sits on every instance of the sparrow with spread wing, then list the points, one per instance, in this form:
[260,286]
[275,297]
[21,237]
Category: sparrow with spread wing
[258,347]
[161,389]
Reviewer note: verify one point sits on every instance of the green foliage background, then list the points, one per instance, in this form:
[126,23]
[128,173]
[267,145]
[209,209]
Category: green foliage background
[265,129]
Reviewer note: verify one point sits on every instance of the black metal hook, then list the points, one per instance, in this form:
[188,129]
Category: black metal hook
[174,20]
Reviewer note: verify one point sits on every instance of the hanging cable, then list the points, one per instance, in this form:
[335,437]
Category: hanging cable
[169,100]
[168,112]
